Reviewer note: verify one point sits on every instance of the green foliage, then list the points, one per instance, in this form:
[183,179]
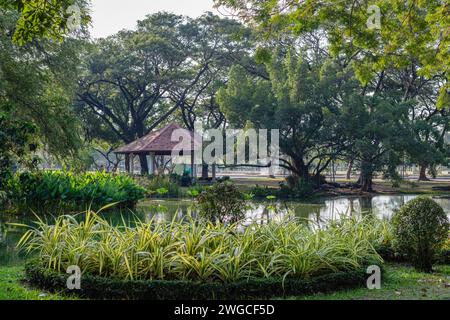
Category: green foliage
[421,228]
[260,192]
[169,63]
[15,144]
[301,189]
[297,189]
[222,202]
[302,98]
[95,287]
[53,191]
[13,288]
[409,31]
[201,250]
[167,186]
[194,193]
[36,92]
[185,180]
[44,19]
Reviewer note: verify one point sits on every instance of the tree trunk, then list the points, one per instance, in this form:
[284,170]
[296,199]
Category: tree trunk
[205,173]
[423,172]
[214,172]
[349,170]
[367,184]
[144,164]
[366,177]
[127,163]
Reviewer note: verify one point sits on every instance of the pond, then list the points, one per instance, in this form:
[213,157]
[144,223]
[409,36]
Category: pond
[382,206]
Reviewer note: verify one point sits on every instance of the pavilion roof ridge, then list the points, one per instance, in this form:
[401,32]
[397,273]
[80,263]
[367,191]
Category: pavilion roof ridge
[157,141]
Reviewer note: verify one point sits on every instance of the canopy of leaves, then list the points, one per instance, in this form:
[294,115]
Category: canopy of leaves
[36,86]
[409,31]
[46,19]
[137,80]
[302,99]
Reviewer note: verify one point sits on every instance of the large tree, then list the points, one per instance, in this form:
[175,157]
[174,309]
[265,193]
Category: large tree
[407,30]
[302,98]
[37,83]
[137,80]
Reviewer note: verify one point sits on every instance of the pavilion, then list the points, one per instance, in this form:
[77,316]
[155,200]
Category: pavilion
[160,143]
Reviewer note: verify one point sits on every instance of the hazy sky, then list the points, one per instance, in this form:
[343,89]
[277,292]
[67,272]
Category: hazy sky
[110,16]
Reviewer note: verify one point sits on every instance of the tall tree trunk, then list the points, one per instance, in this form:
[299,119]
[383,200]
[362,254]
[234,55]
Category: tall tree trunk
[205,173]
[367,184]
[348,176]
[144,164]
[366,177]
[423,172]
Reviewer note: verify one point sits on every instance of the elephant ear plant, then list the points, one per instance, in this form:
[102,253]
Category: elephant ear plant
[53,191]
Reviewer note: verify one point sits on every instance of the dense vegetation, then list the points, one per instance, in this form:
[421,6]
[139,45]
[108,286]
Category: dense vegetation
[96,287]
[57,191]
[421,228]
[337,89]
[374,99]
[205,251]
[223,203]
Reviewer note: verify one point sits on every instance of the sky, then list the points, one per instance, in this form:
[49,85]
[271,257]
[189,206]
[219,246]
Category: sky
[111,16]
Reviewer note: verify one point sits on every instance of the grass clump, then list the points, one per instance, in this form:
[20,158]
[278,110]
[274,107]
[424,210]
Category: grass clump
[202,250]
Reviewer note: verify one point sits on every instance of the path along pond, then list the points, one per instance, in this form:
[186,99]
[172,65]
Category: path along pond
[322,210]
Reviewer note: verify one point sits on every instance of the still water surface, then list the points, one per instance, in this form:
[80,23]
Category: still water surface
[382,206]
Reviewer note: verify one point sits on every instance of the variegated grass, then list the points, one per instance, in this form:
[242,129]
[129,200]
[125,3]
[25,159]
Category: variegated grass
[203,251]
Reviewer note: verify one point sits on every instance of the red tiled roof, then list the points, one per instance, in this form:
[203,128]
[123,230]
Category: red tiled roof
[160,141]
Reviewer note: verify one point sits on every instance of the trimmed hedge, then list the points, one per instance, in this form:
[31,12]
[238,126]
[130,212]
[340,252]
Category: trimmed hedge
[388,254]
[95,287]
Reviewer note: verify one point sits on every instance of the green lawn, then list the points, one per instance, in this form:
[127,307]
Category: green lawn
[12,288]
[399,282]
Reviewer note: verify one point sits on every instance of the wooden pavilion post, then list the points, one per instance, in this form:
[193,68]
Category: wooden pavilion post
[127,163]
[151,163]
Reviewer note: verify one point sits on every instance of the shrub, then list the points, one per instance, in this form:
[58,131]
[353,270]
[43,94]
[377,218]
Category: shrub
[95,287]
[46,191]
[420,230]
[200,250]
[160,182]
[195,190]
[291,189]
[222,202]
[263,192]
[184,180]
[301,189]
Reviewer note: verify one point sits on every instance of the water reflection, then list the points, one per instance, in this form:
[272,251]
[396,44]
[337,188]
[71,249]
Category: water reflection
[382,206]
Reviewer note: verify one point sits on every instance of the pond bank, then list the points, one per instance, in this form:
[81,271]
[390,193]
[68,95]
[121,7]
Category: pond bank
[380,187]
